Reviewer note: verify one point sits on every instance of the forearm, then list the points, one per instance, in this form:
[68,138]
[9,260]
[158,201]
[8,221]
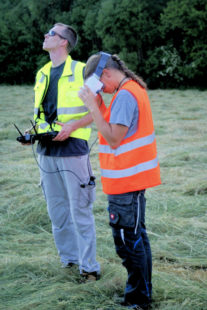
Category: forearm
[73,125]
[83,122]
[112,133]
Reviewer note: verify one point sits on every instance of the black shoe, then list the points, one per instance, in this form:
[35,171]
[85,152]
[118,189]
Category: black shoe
[69,265]
[135,306]
[90,276]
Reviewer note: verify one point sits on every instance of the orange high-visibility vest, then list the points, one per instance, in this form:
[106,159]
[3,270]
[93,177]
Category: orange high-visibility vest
[134,165]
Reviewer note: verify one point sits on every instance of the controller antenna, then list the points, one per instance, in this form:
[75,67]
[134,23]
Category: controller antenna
[33,127]
[18,130]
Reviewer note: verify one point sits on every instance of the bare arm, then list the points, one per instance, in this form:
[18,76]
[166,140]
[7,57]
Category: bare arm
[113,133]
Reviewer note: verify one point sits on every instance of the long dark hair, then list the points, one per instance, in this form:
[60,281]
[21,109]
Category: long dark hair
[113,62]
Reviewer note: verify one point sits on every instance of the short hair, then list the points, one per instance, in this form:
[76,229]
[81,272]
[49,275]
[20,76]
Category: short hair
[69,34]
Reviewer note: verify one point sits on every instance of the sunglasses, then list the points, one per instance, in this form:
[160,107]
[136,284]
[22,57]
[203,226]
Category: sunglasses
[53,33]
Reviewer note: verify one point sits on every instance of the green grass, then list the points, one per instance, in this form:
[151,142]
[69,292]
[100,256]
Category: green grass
[30,273]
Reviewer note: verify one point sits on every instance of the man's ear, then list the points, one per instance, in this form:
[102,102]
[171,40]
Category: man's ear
[64,43]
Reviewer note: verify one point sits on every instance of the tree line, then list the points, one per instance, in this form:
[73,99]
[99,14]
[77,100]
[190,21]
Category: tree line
[164,41]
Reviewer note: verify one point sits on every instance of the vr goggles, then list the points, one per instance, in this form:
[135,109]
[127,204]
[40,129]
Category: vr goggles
[93,82]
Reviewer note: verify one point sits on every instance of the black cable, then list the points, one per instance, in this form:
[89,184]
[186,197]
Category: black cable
[94,142]
[64,170]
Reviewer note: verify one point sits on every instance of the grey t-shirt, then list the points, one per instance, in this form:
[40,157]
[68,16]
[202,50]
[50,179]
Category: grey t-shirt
[69,147]
[125,112]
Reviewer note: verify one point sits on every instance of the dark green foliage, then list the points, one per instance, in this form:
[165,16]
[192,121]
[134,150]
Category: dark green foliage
[129,28]
[164,41]
[184,25]
[22,28]
[83,16]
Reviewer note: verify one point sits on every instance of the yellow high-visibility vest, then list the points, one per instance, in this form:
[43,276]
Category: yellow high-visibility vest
[69,106]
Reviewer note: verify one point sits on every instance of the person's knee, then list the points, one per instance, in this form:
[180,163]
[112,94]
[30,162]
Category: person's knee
[58,216]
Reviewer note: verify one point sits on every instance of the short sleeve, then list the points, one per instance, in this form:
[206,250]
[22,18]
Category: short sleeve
[124,109]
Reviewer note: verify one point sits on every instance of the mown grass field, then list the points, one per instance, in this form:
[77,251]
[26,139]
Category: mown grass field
[30,273]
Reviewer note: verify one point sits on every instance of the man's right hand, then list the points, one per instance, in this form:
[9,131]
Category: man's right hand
[65,131]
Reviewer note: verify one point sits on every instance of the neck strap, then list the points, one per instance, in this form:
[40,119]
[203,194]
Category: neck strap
[120,84]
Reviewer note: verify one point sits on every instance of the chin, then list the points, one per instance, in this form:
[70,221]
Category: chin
[44,47]
[109,91]
[106,91]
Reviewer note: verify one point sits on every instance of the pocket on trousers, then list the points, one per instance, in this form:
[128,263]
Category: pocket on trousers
[87,196]
[121,212]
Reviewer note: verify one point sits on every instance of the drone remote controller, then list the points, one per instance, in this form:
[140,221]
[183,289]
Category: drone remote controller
[31,138]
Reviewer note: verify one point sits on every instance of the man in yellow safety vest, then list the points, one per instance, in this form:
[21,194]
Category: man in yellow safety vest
[66,175]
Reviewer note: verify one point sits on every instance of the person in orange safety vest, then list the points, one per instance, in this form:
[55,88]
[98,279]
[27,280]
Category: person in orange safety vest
[129,165]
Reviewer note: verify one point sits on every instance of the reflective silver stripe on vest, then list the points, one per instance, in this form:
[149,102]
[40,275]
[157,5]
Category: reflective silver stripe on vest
[106,149]
[71,78]
[72,110]
[74,120]
[43,125]
[116,174]
[36,110]
[42,78]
